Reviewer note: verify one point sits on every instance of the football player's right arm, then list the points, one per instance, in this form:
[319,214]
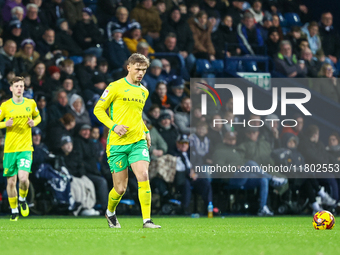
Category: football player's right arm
[2,116]
[102,105]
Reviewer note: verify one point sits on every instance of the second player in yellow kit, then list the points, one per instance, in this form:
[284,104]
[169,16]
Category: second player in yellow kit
[129,140]
[18,115]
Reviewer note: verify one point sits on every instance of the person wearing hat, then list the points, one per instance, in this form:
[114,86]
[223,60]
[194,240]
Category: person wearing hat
[18,115]
[87,34]
[64,38]
[227,154]
[129,139]
[27,53]
[176,93]
[134,36]
[154,76]
[186,180]
[168,131]
[78,110]
[84,146]
[82,188]
[116,50]
[73,11]
[15,32]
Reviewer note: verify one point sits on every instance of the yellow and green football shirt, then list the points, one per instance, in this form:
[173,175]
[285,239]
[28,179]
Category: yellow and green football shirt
[125,103]
[19,135]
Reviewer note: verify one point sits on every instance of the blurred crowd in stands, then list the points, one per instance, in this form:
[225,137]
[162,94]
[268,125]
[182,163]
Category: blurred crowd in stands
[69,51]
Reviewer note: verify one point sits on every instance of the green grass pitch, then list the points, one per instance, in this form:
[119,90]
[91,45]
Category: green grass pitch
[183,236]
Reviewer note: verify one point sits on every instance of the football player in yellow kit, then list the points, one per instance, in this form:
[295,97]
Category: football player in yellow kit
[129,140]
[18,115]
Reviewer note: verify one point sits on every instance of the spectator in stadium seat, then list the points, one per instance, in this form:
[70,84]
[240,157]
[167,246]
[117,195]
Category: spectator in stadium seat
[160,97]
[8,59]
[116,50]
[73,11]
[270,131]
[120,21]
[85,71]
[186,180]
[42,17]
[287,64]
[296,36]
[53,79]
[28,54]
[8,6]
[328,86]
[103,69]
[57,129]
[297,129]
[312,32]
[83,145]
[148,17]
[226,154]
[333,147]
[67,69]
[265,25]
[249,36]
[182,116]
[184,38]
[168,131]
[276,23]
[143,48]
[167,72]
[201,30]
[47,47]
[236,11]
[133,37]
[273,42]
[176,91]
[64,40]
[38,79]
[77,108]
[40,98]
[153,76]
[215,133]
[313,65]
[54,10]
[254,148]
[18,12]
[153,114]
[226,33]
[60,106]
[67,85]
[41,153]
[256,10]
[87,34]
[315,153]
[32,24]
[15,32]
[330,38]
[161,8]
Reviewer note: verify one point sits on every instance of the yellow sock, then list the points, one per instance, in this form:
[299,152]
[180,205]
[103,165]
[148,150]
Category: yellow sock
[23,193]
[13,202]
[114,199]
[144,195]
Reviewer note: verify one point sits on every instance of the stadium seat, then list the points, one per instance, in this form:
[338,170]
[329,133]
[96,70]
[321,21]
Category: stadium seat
[283,21]
[218,65]
[76,59]
[203,66]
[292,19]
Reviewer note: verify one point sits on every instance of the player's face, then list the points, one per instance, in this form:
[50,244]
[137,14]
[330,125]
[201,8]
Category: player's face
[137,71]
[17,89]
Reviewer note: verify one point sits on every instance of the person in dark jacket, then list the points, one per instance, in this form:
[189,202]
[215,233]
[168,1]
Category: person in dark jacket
[54,10]
[329,36]
[47,46]
[64,40]
[84,146]
[87,34]
[159,96]
[73,11]
[270,131]
[315,153]
[56,129]
[9,61]
[168,131]
[32,24]
[40,98]
[273,42]
[85,71]
[333,147]
[60,106]
[186,180]
[15,32]
[116,50]
[185,42]
[176,91]
[313,65]
[226,154]
[153,76]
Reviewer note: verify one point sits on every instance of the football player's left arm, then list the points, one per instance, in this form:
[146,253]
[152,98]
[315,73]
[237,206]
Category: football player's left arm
[36,116]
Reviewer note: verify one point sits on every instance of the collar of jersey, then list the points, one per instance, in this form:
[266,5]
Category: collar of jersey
[23,100]
[131,84]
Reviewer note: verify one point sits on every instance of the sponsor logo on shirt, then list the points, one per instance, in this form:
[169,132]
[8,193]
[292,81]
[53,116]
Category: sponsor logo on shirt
[143,94]
[105,93]
[133,100]
[28,109]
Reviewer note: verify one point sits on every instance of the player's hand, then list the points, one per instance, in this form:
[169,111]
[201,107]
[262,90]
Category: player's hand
[148,139]
[30,122]
[9,122]
[120,130]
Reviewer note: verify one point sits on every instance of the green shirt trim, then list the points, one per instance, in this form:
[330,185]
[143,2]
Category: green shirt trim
[23,100]
[131,84]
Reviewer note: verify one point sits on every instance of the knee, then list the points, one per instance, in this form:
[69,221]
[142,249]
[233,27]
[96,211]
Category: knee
[11,183]
[120,188]
[23,180]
